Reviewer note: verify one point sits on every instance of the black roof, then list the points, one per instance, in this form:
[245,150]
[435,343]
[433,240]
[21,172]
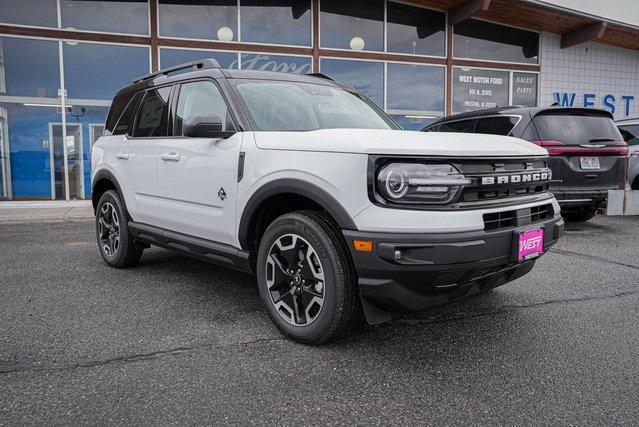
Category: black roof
[519,110]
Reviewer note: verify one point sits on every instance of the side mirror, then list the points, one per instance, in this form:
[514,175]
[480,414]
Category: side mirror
[209,126]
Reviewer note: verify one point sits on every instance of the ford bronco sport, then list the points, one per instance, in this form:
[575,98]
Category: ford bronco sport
[311,187]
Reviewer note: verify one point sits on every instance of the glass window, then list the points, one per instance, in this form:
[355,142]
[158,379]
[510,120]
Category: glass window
[415,30]
[366,77]
[152,114]
[197,19]
[354,24]
[201,99]
[29,67]
[97,71]
[475,88]
[415,92]
[171,57]
[116,16]
[276,21]
[496,125]
[577,129]
[281,63]
[485,40]
[463,126]
[28,132]
[630,134]
[123,120]
[293,106]
[524,89]
[37,13]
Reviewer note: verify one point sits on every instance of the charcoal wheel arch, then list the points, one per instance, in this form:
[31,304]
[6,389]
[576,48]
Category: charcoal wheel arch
[295,187]
[102,177]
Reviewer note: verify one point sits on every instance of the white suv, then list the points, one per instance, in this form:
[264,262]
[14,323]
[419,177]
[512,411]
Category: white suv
[308,185]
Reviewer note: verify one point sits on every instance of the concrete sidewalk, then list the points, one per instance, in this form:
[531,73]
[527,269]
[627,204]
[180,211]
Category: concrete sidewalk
[43,211]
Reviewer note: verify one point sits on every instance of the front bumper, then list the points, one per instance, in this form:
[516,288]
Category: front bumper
[410,272]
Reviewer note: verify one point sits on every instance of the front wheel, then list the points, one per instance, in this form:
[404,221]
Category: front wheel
[116,244]
[305,278]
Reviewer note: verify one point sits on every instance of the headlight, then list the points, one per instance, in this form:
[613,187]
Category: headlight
[416,183]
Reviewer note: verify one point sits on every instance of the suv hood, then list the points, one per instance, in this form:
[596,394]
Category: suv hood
[398,142]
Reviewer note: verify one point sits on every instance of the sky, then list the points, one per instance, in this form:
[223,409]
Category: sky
[625,11]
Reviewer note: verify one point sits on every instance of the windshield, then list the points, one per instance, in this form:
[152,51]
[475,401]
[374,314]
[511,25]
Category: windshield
[575,130]
[295,106]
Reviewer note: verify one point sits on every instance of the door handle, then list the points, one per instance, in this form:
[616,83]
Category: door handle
[170,157]
[122,155]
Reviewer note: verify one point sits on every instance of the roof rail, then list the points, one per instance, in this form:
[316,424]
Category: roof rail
[202,64]
[320,76]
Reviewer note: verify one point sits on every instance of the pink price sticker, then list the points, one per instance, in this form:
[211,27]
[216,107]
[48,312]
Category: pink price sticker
[531,244]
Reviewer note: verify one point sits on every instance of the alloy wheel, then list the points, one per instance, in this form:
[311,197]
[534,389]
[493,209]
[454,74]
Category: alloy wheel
[295,280]
[109,229]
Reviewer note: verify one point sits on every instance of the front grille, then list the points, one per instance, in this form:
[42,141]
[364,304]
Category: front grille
[518,217]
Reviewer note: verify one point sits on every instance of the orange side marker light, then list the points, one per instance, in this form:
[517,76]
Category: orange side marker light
[363,245]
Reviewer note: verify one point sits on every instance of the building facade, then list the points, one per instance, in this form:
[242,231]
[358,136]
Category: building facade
[61,61]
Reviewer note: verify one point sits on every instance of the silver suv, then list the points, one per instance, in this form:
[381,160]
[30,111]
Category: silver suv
[629,129]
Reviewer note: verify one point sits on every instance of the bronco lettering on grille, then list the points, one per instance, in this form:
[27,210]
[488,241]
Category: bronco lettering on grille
[517,178]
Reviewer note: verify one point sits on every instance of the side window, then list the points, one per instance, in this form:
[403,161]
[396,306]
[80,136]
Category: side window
[630,134]
[153,113]
[200,99]
[432,129]
[127,116]
[530,133]
[496,125]
[465,126]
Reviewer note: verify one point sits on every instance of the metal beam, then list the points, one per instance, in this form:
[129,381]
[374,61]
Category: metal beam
[584,34]
[466,10]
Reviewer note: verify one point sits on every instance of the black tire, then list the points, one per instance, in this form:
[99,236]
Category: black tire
[581,215]
[126,252]
[320,241]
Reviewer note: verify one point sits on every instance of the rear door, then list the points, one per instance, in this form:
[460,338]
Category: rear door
[586,149]
[197,177]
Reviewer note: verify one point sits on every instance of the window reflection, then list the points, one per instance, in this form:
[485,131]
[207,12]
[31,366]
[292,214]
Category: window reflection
[485,40]
[415,90]
[276,21]
[41,13]
[96,71]
[476,88]
[366,77]
[29,67]
[415,30]
[280,63]
[171,57]
[116,16]
[28,132]
[210,20]
[355,24]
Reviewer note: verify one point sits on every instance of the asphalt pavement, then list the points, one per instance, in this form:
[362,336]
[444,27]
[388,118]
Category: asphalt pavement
[176,340]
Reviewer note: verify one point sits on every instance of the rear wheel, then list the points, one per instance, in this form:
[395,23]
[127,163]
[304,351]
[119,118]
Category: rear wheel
[580,215]
[305,278]
[114,240]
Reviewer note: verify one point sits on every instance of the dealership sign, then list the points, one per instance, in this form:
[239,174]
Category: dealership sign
[609,101]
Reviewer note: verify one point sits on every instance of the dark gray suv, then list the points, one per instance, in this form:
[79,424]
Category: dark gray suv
[587,153]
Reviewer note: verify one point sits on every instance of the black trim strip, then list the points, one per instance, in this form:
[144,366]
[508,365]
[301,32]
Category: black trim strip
[206,250]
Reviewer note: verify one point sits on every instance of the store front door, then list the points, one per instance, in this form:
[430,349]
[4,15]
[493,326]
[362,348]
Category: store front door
[72,164]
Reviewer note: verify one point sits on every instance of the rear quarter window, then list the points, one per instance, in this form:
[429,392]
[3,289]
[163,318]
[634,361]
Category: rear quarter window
[496,125]
[577,129]
[465,126]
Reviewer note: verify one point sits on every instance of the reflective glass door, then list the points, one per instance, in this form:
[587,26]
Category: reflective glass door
[73,179]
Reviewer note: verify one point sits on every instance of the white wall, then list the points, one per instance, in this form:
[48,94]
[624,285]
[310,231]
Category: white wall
[590,68]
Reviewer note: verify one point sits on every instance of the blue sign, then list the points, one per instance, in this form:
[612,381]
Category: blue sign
[608,101]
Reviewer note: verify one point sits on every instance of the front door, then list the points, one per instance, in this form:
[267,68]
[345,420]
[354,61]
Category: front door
[197,177]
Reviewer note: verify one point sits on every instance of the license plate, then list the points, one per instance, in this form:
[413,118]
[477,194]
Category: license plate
[589,162]
[531,244]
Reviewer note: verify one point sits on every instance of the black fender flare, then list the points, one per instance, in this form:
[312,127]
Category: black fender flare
[292,186]
[108,175]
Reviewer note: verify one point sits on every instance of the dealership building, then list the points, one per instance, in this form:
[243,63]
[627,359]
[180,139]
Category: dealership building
[61,62]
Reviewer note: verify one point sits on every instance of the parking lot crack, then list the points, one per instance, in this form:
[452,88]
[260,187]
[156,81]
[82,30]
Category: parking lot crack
[593,258]
[509,308]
